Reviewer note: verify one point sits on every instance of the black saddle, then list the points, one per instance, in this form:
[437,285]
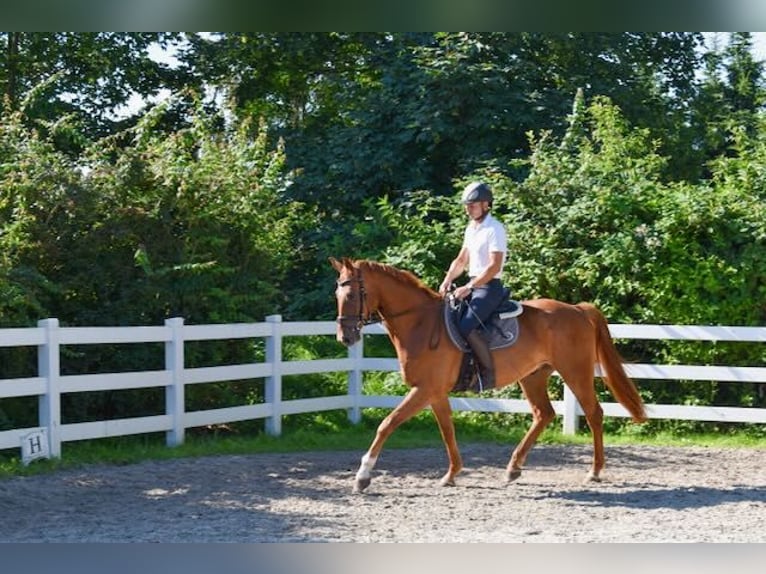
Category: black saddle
[500,330]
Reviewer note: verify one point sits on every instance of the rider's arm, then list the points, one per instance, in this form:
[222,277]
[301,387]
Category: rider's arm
[456,269]
[494,267]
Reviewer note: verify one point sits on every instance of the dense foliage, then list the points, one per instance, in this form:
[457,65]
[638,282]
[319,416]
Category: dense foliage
[628,169]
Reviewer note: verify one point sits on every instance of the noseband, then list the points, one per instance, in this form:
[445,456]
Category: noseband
[358,320]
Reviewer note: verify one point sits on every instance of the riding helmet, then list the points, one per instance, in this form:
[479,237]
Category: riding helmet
[477,191]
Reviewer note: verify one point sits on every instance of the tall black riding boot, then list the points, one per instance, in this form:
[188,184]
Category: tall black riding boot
[483,356]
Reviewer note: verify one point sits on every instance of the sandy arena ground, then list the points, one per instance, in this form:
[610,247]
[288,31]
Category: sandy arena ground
[649,494]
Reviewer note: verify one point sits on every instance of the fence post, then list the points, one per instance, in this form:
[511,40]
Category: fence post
[175,395]
[356,354]
[273,391]
[571,418]
[49,367]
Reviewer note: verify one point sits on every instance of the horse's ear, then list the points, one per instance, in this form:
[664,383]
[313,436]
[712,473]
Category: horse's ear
[337,265]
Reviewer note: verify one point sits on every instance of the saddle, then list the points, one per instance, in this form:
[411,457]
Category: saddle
[500,330]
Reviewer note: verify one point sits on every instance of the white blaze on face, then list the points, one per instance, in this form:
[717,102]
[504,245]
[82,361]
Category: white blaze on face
[342,294]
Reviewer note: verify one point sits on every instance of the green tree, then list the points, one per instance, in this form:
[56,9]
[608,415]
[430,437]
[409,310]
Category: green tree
[197,220]
[38,189]
[384,115]
[87,75]
[578,221]
[146,226]
[731,97]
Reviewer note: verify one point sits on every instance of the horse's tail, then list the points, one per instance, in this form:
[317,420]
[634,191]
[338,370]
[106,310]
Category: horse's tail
[621,386]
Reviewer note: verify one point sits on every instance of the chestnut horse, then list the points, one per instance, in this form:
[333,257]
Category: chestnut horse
[553,336]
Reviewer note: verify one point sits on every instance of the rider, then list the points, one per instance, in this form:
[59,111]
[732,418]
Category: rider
[483,253]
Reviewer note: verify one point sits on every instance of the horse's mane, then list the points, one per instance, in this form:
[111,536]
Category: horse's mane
[406,277]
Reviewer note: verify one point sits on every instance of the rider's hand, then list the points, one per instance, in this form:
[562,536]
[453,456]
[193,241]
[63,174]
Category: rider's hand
[444,287]
[462,292]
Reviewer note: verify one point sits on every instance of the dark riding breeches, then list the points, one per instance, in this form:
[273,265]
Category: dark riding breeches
[482,302]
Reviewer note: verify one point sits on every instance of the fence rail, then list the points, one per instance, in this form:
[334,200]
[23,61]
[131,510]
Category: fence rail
[49,337]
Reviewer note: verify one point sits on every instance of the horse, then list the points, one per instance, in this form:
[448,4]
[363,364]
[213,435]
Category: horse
[553,336]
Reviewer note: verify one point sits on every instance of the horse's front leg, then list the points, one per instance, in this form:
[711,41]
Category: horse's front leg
[415,401]
[443,412]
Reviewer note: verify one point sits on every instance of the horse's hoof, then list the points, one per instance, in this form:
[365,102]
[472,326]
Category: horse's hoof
[447,481]
[361,484]
[591,478]
[512,475]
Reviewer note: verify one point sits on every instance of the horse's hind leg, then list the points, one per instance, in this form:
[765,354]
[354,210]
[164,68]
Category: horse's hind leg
[535,387]
[415,401]
[443,412]
[583,388]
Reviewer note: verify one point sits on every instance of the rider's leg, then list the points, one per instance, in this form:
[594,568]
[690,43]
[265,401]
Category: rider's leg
[483,356]
[482,303]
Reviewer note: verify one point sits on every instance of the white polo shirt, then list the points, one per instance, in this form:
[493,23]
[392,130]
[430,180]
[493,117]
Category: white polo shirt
[481,240]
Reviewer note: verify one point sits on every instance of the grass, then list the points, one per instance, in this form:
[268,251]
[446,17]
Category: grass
[325,433]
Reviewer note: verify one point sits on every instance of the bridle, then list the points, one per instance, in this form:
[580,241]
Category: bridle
[358,321]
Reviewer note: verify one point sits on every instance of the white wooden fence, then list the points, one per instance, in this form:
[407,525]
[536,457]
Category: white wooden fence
[49,383]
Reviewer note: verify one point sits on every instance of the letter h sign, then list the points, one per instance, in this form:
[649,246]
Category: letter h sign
[34,445]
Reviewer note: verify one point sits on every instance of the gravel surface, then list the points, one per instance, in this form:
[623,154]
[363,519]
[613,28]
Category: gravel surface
[649,494]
